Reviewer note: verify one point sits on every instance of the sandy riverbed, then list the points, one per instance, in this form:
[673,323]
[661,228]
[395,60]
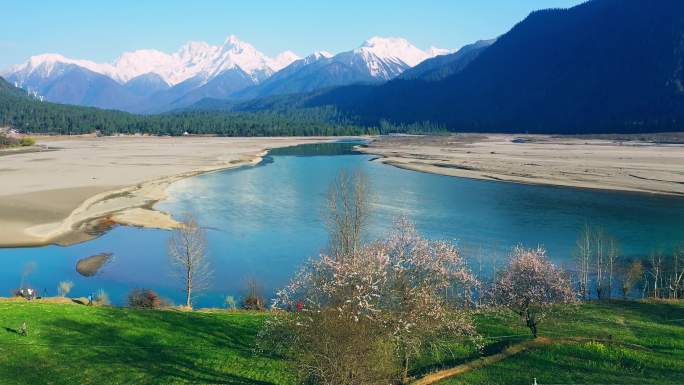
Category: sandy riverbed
[67,193]
[560,161]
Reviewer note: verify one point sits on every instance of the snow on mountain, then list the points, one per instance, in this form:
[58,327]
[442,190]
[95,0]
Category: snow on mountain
[160,81]
[46,65]
[434,51]
[191,60]
[387,57]
[283,60]
[377,59]
[393,48]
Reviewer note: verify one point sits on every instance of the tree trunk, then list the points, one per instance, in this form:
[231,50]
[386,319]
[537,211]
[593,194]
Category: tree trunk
[188,288]
[404,374]
[532,324]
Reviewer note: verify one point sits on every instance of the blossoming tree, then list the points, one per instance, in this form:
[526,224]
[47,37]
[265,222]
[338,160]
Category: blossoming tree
[531,285]
[382,304]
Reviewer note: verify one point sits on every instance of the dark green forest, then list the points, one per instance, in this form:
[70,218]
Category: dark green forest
[608,66]
[28,115]
[22,112]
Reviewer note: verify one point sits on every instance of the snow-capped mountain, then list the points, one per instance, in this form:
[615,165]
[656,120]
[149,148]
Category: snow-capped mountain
[377,59]
[149,80]
[192,59]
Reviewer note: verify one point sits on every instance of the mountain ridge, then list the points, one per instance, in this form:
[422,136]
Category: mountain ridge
[199,69]
[601,66]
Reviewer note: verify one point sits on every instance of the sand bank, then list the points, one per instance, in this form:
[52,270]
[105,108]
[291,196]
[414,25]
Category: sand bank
[536,159]
[79,186]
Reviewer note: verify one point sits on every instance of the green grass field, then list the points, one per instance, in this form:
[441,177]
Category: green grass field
[75,344]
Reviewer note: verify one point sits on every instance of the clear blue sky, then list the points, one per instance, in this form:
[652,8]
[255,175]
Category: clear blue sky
[101,30]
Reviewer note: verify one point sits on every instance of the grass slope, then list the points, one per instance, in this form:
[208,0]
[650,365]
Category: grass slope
[75,344]
[635,343]
[70,344]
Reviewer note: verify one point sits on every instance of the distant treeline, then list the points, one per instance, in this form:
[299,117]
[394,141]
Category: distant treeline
[27,115]
[32,116]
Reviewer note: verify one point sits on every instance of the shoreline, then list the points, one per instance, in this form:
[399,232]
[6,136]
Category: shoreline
[128,206]
[131,205]
[78,209]
[437,170]
[602,165]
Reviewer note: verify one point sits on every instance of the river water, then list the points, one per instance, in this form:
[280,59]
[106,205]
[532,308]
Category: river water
[264,221]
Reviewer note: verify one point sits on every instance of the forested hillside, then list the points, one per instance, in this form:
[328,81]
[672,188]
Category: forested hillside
[602,66]
[28,115]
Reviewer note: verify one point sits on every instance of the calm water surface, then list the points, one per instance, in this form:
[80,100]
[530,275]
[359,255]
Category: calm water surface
[264,221]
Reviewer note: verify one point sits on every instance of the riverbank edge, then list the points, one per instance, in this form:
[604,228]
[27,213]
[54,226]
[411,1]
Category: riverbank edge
[127,206]
[404,161]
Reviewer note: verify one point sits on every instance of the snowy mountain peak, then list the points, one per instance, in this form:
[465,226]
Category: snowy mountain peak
[44,65]
[321,55]
[152,80]
[232,40]
[434,51]
[283,60]
[193,59]
[380,41]
[37,60]
[194,49]
[394,48]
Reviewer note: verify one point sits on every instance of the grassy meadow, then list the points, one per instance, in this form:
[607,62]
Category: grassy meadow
[606,342]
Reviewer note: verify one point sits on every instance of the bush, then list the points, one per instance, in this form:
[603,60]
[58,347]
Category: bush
[64,288]
[145,299]
[25,292]
[8,141]
[253,302]
[253,299]
[5,141]
[27,141]
[230,303]
[101,298]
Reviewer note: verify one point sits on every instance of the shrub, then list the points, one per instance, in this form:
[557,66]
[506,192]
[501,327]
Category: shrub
[101,298]
[64,288]
[253,302]
[5,141]
[230,303]
[25,292]
[253,299]
[27,141]
[145,299]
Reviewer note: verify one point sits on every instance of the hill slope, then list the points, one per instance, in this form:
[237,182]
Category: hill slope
[602,66]
[442,66]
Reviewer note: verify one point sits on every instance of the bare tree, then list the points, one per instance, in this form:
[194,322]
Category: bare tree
[347,212]
[29,267]
[583,259]
[530,286]
[655,270]
[599,263]
[676,274]
[613,256]
[253,298]
[64,288]
[187,254]
[631,274]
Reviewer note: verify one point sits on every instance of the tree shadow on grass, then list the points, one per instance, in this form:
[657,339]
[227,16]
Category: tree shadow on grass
[10,330]
[665,312]
[145,347]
